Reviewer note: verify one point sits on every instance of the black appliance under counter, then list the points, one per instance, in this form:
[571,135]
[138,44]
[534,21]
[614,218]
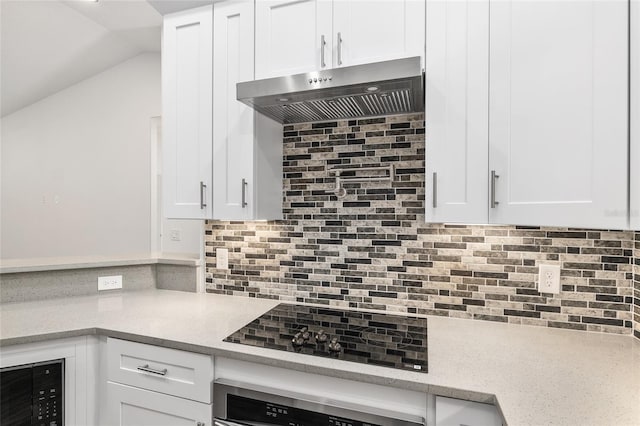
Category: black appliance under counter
[372,338]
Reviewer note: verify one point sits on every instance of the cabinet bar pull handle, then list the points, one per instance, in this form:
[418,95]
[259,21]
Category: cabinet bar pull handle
[435,189]
[146,369]
[244,193]
[322,44]
[494,176]
[202,188]
[339,49]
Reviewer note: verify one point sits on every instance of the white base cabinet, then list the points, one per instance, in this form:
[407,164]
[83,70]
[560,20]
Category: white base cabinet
[81,373]
[129,406]
[457,412]
[153,386]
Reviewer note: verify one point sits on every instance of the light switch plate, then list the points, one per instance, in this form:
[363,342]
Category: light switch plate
[175,235]
[110,283]
[549,279]
[222,258]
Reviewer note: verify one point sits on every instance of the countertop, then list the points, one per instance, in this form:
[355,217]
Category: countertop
[12,266]
[538,376]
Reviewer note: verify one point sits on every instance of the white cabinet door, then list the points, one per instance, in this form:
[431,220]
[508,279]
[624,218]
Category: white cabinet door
[233,55]
[457,412]
[247,147]
[457,116]
[187,113]
[635,114]
[289,36]
[558,112]
[377,30]
[129,406]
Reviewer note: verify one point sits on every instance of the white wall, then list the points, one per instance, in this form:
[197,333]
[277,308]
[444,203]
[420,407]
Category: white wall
[76,174]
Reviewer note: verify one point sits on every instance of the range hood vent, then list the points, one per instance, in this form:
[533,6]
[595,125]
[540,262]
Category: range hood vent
[381,88]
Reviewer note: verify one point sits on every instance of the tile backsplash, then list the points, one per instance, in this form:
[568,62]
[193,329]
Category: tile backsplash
[372,248]
[636,286]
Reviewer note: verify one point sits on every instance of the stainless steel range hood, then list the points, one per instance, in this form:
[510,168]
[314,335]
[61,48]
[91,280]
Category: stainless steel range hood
[381,88]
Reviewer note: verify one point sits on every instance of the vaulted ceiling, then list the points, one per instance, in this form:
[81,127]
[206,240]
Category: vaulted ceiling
[49,45]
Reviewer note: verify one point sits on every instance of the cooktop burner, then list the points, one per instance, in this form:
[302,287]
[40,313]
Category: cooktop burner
[369,338]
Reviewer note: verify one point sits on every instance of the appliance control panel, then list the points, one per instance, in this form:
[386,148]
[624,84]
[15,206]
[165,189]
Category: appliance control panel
[47,394]
[240,408]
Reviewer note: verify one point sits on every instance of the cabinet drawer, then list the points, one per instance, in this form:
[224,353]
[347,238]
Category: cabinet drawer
[184,374]
[128,406]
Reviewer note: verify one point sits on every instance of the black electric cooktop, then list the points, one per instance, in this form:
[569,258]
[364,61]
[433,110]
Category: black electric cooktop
[369,338]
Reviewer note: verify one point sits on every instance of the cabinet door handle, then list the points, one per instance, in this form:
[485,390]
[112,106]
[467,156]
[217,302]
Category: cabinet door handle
[244,193]
[494,176]
[147,369]
[322,45]
[339,48]
[435,189]
[202,200]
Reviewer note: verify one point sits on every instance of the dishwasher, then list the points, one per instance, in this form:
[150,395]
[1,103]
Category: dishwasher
[238,404]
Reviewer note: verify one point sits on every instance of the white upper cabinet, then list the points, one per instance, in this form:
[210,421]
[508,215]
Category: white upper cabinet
[233,123]
[558,112]
[247,148]
[548,83]
[457,119]
[635,114]
[292,36]
[187,112]
[221,160]
[377,30]
[310,35]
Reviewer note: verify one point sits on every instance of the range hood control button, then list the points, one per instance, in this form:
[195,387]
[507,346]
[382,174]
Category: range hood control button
[310,80]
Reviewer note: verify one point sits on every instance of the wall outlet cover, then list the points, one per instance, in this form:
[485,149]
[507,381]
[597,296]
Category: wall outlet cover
[222,258]
[113,282]
[549,279]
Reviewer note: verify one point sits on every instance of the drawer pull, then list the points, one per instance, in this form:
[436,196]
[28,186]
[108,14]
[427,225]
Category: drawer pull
[146,369]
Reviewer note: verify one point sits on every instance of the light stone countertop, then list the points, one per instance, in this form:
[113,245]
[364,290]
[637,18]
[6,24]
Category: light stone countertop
[539,376]
[11,266]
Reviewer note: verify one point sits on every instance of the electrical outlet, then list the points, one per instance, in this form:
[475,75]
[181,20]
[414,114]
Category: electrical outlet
[174,234]
[110,283]
[222,258]
[549,279]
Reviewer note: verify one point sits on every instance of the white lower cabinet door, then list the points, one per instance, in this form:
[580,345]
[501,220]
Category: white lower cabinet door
[129,406]
[457,412]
